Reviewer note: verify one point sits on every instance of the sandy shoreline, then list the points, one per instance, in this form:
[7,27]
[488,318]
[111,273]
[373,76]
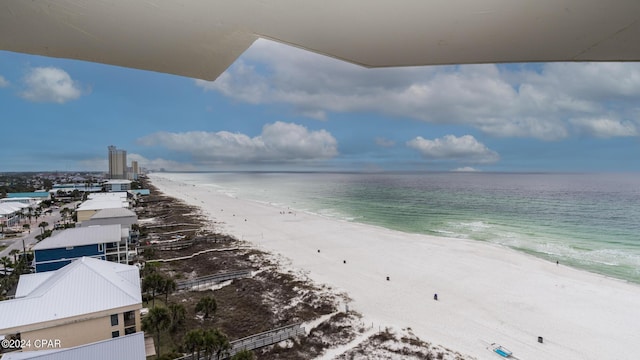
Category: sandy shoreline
[486,293]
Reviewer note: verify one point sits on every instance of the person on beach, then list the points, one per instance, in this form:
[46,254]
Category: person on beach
[435,297]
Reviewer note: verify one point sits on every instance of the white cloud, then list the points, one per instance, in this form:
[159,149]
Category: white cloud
[3,82]
[465,148]
[49,84]
[604,128]
[279,142]
[465,169]
[159,163]
[494,99]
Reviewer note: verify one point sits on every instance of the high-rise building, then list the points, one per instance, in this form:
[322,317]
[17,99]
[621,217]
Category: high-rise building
[134,170]
[117,163]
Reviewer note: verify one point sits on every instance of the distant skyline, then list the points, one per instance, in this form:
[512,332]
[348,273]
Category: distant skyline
[282,108]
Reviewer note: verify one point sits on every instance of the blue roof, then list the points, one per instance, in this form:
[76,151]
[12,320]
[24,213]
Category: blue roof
[39,194]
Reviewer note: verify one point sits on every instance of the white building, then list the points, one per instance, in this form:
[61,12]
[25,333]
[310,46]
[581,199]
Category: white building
[84,302]
[129,347]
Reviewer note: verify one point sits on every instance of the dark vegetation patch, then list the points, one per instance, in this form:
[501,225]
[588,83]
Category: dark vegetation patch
[270,299]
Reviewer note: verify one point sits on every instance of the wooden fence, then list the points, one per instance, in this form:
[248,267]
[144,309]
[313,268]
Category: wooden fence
[257,341]
[213,279]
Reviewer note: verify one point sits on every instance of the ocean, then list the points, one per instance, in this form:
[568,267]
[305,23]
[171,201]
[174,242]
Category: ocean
[588,221]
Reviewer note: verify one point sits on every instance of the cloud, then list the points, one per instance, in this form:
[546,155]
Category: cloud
[604,128]
[3,82]
[463,149]
[465,169]
[500,100]
[49,84]
[102,163]
[278,142]
[159,163]
[380,141]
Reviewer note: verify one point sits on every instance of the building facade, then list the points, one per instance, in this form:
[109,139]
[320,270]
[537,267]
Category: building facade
[117,163]
[105,242]
[135,170]
[86,301]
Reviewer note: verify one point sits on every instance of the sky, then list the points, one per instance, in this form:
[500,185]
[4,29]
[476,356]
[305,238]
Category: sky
[279,108]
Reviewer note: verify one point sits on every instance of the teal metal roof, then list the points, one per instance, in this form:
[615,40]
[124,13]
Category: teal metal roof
[39,194]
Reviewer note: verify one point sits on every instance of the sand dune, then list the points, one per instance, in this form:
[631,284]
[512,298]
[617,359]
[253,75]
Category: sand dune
[486,293]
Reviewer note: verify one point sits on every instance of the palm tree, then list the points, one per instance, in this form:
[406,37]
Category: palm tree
[157,320]
[152,283]
[243,355]
[43,225]
[15,253]
[207,305]
[178,314]
[216,343]
[149,268]
[194,341]
[6,263]
[168,286]
[65,213]
[30,213]
[27,227]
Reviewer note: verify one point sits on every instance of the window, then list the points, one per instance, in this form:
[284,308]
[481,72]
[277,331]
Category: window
[114,319]
[129,318]
[115,334]
[129,330]
[101,247]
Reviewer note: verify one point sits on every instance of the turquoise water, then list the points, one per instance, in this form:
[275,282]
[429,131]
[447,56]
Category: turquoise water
[589,221]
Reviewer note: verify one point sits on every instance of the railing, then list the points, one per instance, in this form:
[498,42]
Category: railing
[266,338]
[213,279]
[257,341]
[168,245]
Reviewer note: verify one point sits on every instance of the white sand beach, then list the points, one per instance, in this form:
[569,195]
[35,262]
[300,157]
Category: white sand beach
[486,293]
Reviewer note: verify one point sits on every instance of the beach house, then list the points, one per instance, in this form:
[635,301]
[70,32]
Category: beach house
[100,201]
[11,213]
[112,216]
[116,185]
[105,242]
[129,347]
[86,301]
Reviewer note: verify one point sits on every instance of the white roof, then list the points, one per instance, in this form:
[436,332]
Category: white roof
[98,234]
[129,347]
[105,196]
[118,181]
[13,205]
[113,213]
[16,199]
[85,286]
[103,204]
[28,282]
[7,208]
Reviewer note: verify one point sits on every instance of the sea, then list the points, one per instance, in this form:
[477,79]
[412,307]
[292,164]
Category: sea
[587,221]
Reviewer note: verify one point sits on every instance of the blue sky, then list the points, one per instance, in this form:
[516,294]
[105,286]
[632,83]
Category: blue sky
[282,108]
